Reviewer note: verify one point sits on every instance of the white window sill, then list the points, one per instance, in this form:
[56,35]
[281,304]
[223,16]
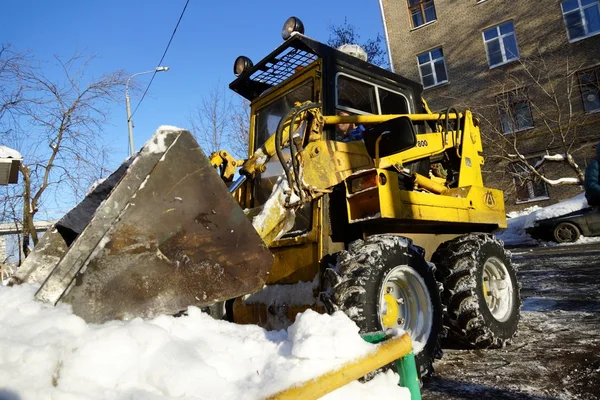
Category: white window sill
[519,130]
[425,24]
[436,85]
[532,200]
[583,37]
[504,63]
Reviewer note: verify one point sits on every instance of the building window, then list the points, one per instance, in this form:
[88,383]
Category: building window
[582,18]
[501,44]
[528,186]
[515,111]
[421,12]
[589,82]
[432,68]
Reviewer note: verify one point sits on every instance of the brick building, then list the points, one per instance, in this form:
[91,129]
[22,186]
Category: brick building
[530,70]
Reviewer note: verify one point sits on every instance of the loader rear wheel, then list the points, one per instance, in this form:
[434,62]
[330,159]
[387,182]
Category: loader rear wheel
[383,283]
[481,291]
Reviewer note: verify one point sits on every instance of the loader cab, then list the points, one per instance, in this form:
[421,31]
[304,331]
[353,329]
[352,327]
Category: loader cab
[299,70]
[339,81]
[303,69]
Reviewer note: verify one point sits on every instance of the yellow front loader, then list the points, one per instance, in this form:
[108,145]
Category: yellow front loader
[394,229]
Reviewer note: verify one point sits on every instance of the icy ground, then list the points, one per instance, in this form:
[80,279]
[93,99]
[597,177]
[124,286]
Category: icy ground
[48,353]
[518,222]
[556,354]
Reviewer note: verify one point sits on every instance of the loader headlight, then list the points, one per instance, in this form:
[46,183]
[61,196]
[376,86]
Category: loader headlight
[241,64]
[292,25]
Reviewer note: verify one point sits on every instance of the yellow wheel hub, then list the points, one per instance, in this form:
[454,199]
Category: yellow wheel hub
[390,318]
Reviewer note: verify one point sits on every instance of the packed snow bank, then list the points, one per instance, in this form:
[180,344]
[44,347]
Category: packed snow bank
[48,353]
[518,222]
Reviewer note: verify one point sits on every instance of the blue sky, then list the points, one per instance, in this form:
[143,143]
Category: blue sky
[132,35]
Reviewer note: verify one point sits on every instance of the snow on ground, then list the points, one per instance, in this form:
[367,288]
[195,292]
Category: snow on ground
[48,353]
[519,221]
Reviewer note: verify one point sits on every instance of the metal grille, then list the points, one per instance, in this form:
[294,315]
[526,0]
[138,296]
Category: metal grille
[282,67]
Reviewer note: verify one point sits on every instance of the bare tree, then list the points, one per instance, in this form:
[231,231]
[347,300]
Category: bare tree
[11,88]
[222,122]
[240,128]
[348,34]
[536,106]
[58,131]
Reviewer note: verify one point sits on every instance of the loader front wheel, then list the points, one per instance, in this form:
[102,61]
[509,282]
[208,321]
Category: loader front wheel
[481,291]
[384,283]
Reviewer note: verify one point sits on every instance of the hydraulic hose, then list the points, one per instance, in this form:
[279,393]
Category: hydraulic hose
[291,116]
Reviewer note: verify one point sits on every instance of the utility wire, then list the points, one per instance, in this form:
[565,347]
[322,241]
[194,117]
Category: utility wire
[162,58]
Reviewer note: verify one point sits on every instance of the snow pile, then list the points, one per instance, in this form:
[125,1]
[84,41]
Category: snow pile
[518,222]
[275,219]
[48,353]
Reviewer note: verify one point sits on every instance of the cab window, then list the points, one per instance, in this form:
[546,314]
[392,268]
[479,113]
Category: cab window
[360,97]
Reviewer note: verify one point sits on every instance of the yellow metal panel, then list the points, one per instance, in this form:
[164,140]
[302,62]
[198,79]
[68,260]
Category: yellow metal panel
[327,163]
[294,264]
[465,205]
[471,161]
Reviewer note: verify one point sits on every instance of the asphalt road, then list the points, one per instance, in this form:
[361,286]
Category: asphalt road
[556,354]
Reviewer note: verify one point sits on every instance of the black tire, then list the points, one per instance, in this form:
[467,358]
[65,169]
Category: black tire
[566,232]
[462,266]
[357,283]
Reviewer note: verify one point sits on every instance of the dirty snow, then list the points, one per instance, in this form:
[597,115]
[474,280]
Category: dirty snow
[48,353]
[518,222]
[261,157]
[157,144]
[274,210]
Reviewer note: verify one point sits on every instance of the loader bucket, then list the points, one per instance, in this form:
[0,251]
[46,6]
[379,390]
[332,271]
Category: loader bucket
[160,234]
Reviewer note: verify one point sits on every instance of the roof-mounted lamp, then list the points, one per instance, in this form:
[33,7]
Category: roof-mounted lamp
[241,64]
[292,25]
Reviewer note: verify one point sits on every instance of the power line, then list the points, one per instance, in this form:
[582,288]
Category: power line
[162,58]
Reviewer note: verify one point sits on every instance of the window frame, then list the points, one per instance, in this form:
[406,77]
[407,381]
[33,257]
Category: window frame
[596,71]
[514,97]
[376,86]
[528,184]
[431,62]
[421,6]
[500,38]
[581,11]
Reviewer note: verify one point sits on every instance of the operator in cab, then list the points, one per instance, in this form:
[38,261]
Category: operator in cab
[348,132]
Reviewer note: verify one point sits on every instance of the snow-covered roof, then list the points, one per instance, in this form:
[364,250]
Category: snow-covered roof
[7,152]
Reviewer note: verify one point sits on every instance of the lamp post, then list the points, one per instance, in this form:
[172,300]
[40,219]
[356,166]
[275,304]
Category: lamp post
[129,120]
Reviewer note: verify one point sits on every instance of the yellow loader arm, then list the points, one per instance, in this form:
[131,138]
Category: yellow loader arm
[317,164]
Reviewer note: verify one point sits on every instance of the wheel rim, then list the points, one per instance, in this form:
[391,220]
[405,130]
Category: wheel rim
[405,303]
[497,289]
[565,233]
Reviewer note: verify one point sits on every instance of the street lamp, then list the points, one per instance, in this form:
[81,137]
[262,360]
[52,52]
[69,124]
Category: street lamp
[129,120]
